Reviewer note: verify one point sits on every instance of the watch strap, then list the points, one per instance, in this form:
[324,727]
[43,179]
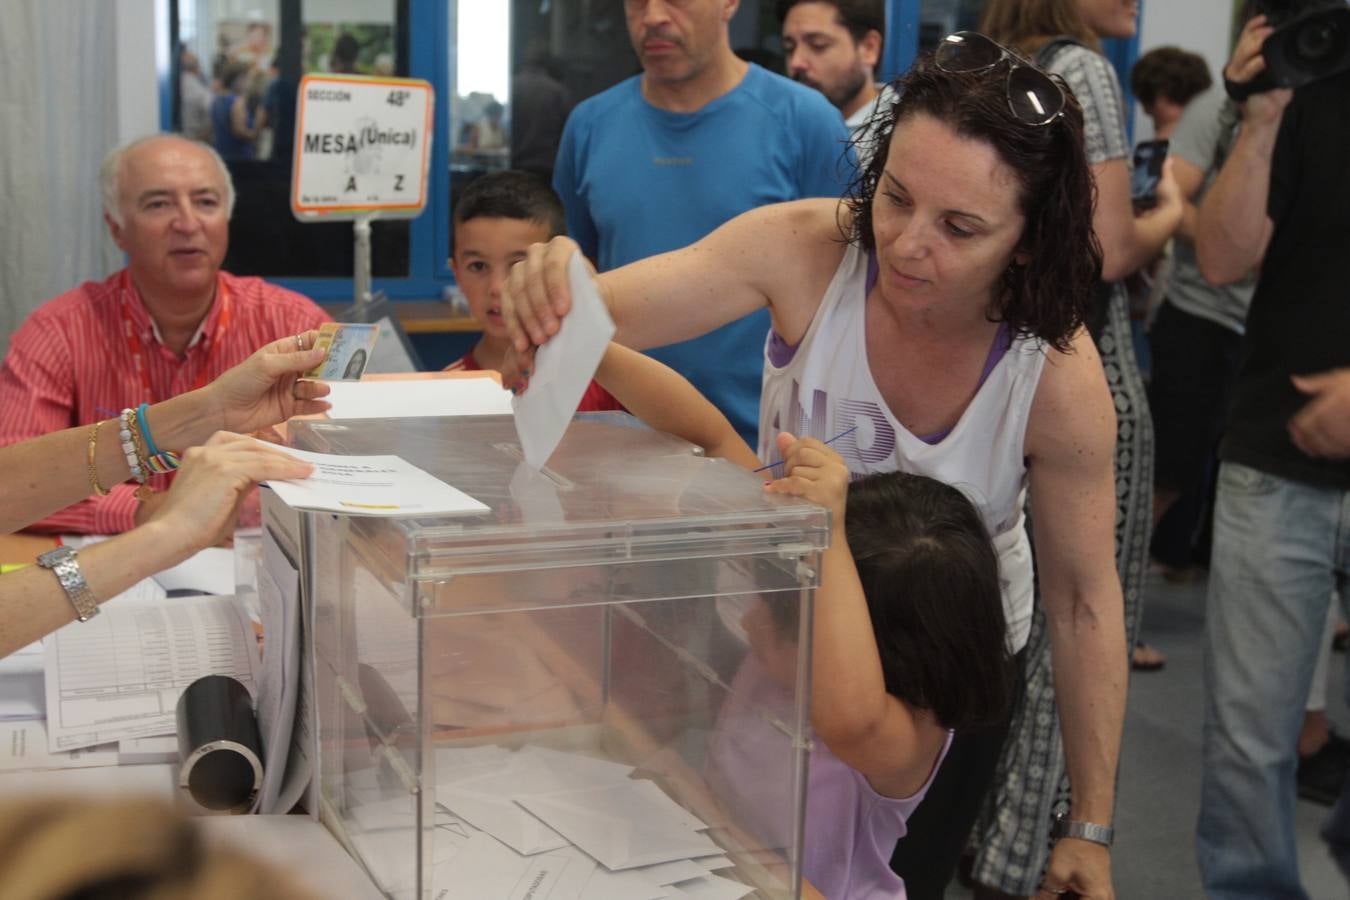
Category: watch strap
[1084,831]
[66,567]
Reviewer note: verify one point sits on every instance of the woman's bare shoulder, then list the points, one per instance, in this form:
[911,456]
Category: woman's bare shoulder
[1073,407]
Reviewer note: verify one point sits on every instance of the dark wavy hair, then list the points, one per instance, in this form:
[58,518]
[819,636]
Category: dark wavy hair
[1170,72]
[858,16]
[1050,295]
[930,574]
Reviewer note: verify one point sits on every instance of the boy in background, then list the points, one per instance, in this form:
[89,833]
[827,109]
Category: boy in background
[496,219]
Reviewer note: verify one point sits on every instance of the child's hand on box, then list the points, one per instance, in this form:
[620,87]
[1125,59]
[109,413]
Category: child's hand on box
[814,471]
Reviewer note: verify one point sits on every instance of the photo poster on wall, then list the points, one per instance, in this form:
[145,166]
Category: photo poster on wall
[373,43]
[362,147]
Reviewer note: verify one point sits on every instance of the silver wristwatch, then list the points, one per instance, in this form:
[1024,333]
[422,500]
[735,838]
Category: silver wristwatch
[63,564]
[1086,831]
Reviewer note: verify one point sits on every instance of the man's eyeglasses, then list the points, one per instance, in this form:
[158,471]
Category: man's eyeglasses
[1033,96]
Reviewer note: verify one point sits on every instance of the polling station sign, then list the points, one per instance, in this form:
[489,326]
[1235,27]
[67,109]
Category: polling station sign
[362,145]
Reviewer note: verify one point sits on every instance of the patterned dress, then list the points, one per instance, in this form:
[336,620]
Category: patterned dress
[1012,837]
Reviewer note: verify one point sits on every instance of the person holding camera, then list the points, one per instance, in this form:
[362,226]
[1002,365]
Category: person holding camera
[1282,517]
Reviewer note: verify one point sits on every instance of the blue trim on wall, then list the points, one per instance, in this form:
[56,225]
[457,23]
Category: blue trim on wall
[163,64]
[332,290]
[902,37]
[429,39]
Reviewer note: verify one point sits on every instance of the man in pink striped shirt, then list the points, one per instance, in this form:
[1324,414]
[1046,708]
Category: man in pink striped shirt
[169,322]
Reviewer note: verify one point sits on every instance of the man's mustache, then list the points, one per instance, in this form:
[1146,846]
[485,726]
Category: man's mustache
[660,36]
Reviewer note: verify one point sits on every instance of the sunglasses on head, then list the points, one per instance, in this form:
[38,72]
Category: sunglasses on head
[1033,96]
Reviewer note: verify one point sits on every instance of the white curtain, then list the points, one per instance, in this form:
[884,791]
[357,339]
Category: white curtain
[58,106]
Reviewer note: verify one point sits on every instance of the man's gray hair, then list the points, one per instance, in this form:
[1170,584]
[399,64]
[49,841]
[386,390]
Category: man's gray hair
[110,173]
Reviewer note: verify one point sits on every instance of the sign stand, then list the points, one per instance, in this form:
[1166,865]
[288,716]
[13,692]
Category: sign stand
[361,257]
[362,152]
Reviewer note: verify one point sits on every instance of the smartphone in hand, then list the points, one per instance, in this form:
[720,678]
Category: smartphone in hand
[1148,165]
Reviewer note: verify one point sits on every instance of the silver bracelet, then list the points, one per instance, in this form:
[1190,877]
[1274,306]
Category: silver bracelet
[1084,831]
[66,567]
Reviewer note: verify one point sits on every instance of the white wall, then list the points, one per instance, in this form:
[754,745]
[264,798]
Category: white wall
[59,91]
[142,31]
[1201,26]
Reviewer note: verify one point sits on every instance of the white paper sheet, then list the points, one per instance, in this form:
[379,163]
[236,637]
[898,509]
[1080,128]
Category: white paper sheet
[209,571]
[484,867]
[671,872]
[286,526]
[491,811]
[563,368]
[714,863]
[371,486]
[630,885]
[23,746]
[485,801]
[458,763]
[417,398]
[570,769]
[147,751]
[279,677]
[713,887]
[21,685]
[618,826]
[119,674]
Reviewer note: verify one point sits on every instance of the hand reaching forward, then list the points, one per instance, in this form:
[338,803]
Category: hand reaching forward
[200,509]
[266,388]
[814,471]
[536,296]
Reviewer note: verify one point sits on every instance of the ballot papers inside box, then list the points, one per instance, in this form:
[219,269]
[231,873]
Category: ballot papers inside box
[592,690]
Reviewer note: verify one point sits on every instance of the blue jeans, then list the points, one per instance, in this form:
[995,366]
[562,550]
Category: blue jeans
[1280,548]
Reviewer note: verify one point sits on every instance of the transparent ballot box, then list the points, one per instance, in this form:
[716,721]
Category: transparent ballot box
[598,689]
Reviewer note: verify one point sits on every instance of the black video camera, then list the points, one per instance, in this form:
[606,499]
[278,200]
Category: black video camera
[1311,44]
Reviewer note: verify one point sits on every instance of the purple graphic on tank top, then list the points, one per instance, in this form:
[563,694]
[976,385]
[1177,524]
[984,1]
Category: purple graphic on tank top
[872,443]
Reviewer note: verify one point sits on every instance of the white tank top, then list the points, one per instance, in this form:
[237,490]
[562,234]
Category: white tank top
[826,388]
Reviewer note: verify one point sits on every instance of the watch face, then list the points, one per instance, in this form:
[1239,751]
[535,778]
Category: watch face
[55,557]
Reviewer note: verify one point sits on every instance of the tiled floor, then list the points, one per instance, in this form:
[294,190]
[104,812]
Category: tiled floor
[1154,855]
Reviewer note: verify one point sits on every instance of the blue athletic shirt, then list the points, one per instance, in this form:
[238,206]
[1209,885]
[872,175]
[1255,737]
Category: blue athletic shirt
[637,181]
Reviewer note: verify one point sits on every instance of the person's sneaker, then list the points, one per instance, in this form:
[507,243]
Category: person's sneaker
[1321,776]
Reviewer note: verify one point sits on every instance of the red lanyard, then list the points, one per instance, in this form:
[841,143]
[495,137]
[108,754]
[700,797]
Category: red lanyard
[138,352]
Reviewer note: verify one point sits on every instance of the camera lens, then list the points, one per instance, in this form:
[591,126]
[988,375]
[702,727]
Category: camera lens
[1317,40]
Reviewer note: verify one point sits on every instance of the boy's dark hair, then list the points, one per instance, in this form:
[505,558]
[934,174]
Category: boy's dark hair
[512,194]
[858,16]
[1169,72]
[1050,295]
[930,574]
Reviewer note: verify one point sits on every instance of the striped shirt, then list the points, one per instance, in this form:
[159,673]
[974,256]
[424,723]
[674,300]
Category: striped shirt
[71,364]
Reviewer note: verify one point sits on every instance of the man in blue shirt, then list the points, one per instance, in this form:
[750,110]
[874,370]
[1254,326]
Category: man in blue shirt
[662,158]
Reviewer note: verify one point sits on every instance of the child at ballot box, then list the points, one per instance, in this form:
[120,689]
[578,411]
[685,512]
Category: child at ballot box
[908,644]
[497,217]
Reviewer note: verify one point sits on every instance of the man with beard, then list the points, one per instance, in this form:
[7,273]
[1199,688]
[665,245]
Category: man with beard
[834,46]
[700,136]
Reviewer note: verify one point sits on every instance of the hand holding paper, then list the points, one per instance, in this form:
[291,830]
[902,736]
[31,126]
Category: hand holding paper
[563,368]
[371,486]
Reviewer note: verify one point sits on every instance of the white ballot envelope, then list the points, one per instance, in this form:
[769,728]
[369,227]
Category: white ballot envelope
[400,399]
[620,826]
[563,368]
